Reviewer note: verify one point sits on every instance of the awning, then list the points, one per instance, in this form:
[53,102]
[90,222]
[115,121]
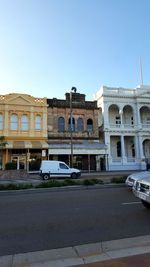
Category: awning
[85,148]
[39,144]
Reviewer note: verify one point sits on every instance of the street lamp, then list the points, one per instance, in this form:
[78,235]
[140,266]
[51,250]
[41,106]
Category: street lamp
[71,124]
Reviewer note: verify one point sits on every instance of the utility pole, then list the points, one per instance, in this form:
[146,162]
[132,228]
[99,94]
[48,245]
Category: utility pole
[71,125]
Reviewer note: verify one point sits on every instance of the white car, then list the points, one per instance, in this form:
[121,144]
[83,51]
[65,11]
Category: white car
[136,176]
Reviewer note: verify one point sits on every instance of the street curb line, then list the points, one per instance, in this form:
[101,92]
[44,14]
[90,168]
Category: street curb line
[81,254]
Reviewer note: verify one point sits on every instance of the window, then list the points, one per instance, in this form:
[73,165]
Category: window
[73,124]
[24,123]
[89,125]
[118,149]
[132,121]
[148,121]
[61,124]
[118,121]
[133,150]
[14,122]
[1,121]
[38,122]
[80,127]
[63,166]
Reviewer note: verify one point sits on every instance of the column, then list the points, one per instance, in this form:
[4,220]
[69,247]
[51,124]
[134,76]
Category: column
[141,147]
[124,159]
[106,116]
[138,118]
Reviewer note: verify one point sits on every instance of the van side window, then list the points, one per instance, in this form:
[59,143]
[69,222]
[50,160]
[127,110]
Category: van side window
[62,166]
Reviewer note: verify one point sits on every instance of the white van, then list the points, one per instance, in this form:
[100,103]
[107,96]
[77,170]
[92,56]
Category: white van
[54,168]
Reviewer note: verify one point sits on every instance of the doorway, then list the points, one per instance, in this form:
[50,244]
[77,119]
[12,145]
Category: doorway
[20,161]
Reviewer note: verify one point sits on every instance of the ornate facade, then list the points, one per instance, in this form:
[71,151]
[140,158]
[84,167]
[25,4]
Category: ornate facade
[23,123]
[88,153]
[125,124]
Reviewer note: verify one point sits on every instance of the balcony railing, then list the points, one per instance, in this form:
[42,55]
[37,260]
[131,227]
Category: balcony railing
[125,125]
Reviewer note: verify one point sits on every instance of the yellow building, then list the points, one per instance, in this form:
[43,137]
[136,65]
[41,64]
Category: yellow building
[23,123]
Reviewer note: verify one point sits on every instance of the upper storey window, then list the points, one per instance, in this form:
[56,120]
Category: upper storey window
[24,123]
[118,121]
[89,125]
[80,127]
[1,121]
[61,124]
[38,122]
[14,122]
[71,124]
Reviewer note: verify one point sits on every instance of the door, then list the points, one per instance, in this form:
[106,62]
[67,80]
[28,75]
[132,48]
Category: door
[20,161]
[62,171]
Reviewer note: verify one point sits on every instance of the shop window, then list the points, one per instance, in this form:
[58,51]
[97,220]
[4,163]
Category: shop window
[1,121]
[80,127]
[89,125]
[14,122]
[24,123]
[38,122]
[61,124]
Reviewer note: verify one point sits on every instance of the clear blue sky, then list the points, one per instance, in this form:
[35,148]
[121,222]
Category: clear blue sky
[48,46]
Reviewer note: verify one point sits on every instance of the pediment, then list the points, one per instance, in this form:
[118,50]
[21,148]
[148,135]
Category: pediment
[19,99]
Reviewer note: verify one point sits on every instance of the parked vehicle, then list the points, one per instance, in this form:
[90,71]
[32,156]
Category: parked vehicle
[54,168]
[135,177]
[141,190]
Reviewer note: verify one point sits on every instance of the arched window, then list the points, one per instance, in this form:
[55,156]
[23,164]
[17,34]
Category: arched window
[14,122]
[118,149]
[1,121]
[38,122]
[80,127]
[89,125]
[24,123]
[61,124]
[73,124]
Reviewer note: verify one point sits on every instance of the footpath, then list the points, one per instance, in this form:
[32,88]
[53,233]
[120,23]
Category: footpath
[128,252]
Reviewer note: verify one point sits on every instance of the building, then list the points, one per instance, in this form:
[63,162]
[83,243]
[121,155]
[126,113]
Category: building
[88,152]
[23,124]
[125,126]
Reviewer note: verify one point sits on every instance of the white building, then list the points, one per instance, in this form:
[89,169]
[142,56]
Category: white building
[124,118]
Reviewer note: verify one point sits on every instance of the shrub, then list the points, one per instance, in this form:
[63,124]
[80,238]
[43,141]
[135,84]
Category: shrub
[88,182]
[12,186]
[118,180]
[11,166]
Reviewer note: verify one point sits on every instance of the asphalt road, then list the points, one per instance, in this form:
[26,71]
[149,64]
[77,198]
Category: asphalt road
[46,219]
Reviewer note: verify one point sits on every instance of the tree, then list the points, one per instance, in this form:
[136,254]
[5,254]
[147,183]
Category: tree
[3,144]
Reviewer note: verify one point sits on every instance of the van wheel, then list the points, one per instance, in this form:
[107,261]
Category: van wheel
[146,204]
[73,175]
[46,176]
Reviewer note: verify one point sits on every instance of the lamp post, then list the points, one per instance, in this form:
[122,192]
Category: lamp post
[71,125]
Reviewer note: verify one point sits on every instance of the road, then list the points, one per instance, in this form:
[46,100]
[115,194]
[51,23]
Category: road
[46,219]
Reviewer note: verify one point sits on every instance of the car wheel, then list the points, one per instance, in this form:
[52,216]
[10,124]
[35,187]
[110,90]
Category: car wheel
[46,176]
[73,175]
[146,204]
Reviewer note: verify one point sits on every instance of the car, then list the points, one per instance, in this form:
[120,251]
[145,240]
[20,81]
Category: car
[141,189]
[56,169]
[136,176]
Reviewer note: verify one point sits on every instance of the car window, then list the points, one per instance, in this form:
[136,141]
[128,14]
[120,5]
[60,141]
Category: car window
[63,166]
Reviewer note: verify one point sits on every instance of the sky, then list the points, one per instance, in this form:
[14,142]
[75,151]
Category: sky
[48,46]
